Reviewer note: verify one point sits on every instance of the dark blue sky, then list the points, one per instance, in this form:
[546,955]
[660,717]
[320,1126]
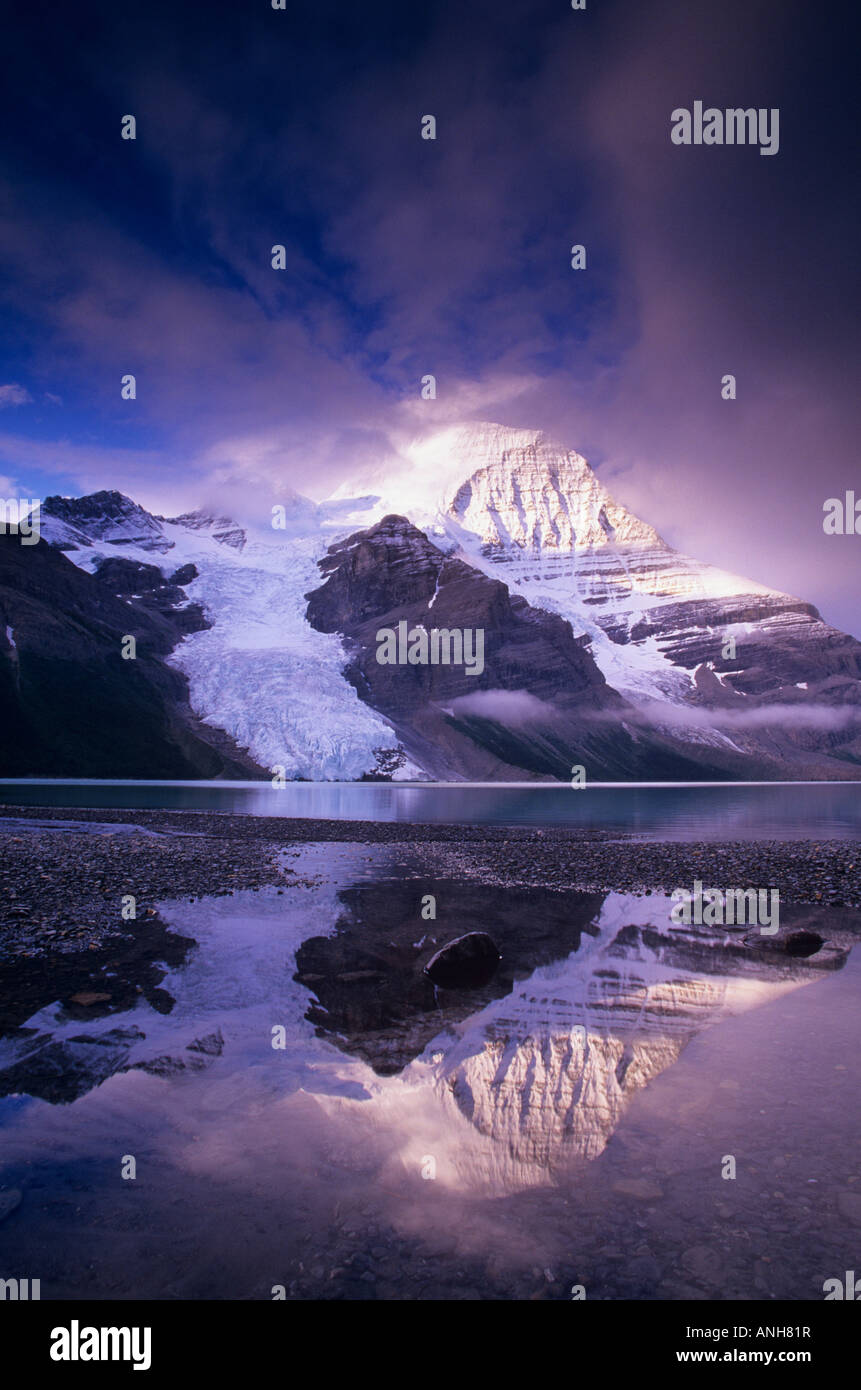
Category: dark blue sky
[407,256]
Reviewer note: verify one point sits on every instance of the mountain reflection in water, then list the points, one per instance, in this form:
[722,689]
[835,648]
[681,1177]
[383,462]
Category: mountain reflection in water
[506,1086]
[596,995]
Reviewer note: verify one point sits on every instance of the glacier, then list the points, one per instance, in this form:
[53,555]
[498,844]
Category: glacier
[260,672]
[517,507]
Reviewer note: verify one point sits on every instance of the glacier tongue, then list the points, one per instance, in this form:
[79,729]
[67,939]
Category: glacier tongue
[260,672]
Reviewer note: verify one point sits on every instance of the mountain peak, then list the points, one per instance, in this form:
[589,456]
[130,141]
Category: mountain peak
[527,492]
[71,523]
[505,488]
[107,502]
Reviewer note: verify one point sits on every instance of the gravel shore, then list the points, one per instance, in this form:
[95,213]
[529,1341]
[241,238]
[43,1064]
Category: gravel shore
[64,872]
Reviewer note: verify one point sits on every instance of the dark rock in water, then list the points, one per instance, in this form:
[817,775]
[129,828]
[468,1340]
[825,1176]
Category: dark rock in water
[793,943]
[803,943]
[468,962]
[387,1010]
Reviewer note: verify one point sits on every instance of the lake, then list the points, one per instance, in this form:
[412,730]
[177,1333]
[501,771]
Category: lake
[689,811]
[626,1109]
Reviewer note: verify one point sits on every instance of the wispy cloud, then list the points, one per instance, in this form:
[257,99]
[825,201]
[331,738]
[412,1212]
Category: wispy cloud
[451,257]
[509,707]
[13,394]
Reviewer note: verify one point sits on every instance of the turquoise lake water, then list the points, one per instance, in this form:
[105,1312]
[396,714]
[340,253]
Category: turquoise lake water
[741,811]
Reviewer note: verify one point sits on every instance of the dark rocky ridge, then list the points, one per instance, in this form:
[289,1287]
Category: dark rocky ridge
[106,516]
[70,705]
[788,706]
[391,572]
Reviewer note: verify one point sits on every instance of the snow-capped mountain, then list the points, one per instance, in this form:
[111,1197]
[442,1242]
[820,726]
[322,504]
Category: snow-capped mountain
[522,1077]
[706,656]
[81,524]
[517,505]
[547,1073]
[605,646]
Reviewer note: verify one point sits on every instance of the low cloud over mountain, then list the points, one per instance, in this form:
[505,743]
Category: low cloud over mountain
[259,646]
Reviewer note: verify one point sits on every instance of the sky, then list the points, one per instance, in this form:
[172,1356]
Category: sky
[301,127]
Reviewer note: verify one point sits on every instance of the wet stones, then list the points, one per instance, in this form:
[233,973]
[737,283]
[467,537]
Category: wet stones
[803,943]
[800,943]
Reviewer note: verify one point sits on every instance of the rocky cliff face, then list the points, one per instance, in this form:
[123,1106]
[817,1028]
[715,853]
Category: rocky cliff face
[606,647]
[539,704]
[108,517]
[70,705]
[736,673]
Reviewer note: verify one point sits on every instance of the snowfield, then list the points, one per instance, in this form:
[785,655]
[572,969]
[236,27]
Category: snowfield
[261,672]
[510,503]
